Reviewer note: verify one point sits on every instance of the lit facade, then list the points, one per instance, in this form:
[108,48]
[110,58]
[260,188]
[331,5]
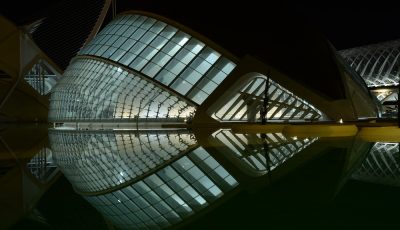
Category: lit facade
[246,104]
[149,69]
[94,90]
[145,68]
[378,64]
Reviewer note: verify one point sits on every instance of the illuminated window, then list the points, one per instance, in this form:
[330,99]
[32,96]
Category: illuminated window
[162,52]
[247,103]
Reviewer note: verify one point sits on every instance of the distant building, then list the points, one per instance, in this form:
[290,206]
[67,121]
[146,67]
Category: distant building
[379,66]
[26,76]
[34,54]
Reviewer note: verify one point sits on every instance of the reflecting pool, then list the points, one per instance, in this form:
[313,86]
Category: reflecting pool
[204,178]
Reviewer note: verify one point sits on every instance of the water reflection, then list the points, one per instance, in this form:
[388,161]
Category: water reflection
[42,166]
[103,160]
[26,171]
[158,178]
[143,179]
[381,165]
[163,178]
[257,153]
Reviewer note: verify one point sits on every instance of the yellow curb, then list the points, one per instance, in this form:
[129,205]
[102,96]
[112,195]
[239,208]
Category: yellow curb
[320,130]
[380,134]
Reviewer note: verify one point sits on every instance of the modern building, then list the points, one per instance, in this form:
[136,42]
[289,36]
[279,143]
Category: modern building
[165,78]
[143,67]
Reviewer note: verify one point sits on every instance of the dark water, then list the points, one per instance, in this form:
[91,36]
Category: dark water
[194,179]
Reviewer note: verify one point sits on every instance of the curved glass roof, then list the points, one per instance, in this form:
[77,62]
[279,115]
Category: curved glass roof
[378,64]
[94,90]
[163,53]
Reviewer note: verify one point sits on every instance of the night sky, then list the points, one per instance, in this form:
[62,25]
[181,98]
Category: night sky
[354,25]
[287,35]
[345,24]
[348,24]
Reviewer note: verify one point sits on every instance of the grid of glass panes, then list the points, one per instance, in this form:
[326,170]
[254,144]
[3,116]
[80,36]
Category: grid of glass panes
[96,161]
[378,64]
[261,154]
[382,165]
[167,196]
[94,90]
[41,78]
[42,166]
[163,53]
[247,103]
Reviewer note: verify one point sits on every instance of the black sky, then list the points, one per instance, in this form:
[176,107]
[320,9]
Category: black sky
[346,24]
[350,26]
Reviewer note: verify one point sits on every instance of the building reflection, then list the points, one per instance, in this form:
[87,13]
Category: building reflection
[26,171]
[257,153]
[381,165]
[142,179]
[170,177]
[159,178]
[42,166]
[99,161]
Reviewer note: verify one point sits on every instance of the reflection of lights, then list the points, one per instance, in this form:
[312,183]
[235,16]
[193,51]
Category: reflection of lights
[167,196]
[121,173]
[383,90]
[294,138]
[42,166]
